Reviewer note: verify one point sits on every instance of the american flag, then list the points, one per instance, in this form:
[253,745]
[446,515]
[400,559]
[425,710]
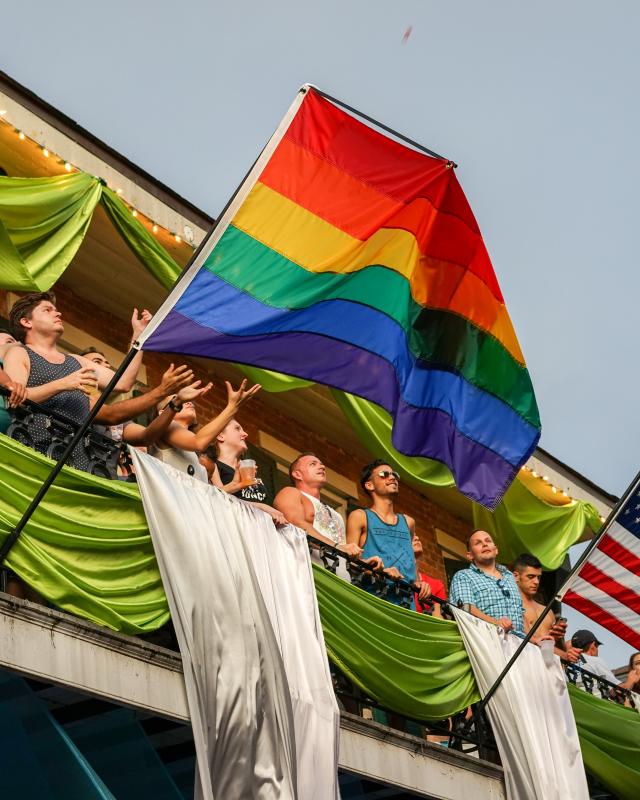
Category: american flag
[606,586]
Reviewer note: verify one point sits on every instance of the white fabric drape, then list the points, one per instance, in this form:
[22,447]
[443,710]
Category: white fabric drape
[530,714]
[265,720]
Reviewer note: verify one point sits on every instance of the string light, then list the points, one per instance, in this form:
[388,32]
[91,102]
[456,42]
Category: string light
[46,153]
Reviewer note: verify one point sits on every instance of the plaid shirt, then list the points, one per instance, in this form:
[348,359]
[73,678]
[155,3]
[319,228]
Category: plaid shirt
[497,597]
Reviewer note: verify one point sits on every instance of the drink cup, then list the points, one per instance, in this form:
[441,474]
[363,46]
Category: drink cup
[247,469]
[546,646]
[94,389]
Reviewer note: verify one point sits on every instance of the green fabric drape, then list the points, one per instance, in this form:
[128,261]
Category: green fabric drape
[610,742]
[142,244]
[411,663]
[42,224]
[523,523]
[87,548]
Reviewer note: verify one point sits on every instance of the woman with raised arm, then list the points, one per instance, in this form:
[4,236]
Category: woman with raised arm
[180,445]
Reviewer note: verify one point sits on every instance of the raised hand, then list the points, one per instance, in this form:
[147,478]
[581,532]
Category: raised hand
[192,392]
[139,322]
[235,397]
[174,379]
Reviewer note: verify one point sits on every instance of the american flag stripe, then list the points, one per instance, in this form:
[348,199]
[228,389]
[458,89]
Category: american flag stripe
[602,616]
[606,587]
[622,551]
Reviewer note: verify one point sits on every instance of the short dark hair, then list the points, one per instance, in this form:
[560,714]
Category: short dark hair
[23,309]
[367,470]
[294,463]
[526,560]
[88,350]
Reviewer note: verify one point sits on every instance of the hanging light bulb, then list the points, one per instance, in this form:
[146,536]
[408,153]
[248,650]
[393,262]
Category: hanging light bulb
[45,152]
[534,473]
[134,212]
[67,166]
[155,228]
[118,191]
[554,490]
[21,136]
[177,238]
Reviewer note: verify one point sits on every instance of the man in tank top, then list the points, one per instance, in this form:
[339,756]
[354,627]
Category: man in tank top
[59,382]
[302,506]
[380,531]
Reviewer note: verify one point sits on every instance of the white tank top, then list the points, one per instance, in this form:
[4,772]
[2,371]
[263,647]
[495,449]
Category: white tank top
[184,460]
[326,520]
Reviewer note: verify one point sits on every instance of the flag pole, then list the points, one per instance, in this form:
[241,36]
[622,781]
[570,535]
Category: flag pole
[558,595]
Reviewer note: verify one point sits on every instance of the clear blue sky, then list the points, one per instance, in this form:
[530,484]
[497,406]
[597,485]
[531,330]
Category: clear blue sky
[537,103]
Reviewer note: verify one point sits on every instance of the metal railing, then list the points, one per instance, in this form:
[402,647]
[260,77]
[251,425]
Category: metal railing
[101,452]
[598,686]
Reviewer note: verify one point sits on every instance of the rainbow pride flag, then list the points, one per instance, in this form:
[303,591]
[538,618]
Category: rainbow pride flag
[355,261]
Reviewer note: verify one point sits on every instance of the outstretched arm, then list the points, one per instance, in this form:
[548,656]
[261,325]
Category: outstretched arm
[174,379]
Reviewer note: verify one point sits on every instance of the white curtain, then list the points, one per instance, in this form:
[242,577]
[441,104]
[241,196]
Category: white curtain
[530,714]
[264,717]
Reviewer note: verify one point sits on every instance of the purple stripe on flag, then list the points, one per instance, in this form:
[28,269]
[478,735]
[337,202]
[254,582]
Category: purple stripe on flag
[480,473]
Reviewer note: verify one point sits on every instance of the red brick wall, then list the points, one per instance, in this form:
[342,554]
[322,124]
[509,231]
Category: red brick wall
[291,432]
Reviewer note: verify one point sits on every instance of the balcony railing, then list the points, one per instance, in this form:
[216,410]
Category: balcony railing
[102,452]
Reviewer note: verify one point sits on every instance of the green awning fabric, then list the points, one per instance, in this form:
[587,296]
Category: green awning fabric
[42,224]
[610,742]
[44,220]
[410,663]
[87,548]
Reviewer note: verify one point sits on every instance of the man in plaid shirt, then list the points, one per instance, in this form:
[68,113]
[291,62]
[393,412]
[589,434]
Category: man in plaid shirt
[488,588]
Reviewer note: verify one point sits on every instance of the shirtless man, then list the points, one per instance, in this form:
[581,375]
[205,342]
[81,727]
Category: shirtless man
[302,506]
[527,571]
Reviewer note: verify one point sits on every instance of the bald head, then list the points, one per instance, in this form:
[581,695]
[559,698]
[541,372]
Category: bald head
[481,549]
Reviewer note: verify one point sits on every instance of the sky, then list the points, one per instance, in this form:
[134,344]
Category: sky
[536,102]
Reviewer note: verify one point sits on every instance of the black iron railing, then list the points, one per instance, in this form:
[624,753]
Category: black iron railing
[597,685]
[102,452]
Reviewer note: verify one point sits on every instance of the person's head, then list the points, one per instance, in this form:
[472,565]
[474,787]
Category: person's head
[481,548]
[527,571]
[187,415]
[379,479]
[7,340]
[634,662]
[34,314]
[95,356]
[306,470]
[586,641]
[232,439]
[417,545]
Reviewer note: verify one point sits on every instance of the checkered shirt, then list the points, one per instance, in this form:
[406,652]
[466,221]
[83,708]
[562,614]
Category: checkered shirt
[497,597]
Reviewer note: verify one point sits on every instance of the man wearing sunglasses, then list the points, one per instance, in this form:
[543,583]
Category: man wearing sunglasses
[488,588]
[383,533]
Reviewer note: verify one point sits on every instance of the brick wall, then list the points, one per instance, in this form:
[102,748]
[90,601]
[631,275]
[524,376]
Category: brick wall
[264,417]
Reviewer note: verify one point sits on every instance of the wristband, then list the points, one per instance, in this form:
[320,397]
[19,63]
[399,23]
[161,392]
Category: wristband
[174,407]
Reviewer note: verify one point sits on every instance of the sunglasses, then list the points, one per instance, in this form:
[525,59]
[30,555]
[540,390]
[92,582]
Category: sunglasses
[503,588]
[387,473]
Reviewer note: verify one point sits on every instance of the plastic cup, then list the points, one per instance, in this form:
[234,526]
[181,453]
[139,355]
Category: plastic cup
[546,647]
[247,469]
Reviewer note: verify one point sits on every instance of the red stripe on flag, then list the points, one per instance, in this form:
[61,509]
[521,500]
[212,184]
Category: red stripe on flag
[618,553]
[609,586]
[603,618]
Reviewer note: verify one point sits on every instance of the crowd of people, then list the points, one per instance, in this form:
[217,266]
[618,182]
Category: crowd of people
[382,540]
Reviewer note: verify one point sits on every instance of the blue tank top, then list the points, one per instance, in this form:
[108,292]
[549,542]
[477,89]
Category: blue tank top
[392,543]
